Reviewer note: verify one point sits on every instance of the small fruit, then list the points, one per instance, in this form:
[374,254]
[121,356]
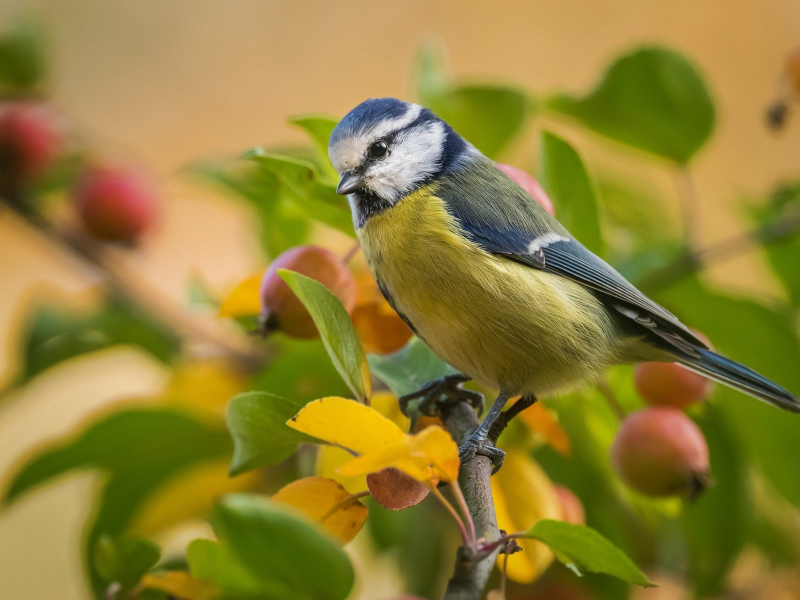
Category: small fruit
[116,204]
[661,452]
[281,310]
[29,142]
[395,490]
[528,183]
[669,384]
[571,506]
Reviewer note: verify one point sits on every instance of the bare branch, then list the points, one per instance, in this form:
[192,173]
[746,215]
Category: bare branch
[471,571]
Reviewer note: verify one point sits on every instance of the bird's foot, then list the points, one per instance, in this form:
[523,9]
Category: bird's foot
[440,393]
[477,444]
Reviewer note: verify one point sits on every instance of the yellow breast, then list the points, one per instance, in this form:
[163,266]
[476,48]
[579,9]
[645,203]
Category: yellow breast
[504,324]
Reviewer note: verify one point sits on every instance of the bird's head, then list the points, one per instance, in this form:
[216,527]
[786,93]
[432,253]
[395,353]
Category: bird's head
[386,148]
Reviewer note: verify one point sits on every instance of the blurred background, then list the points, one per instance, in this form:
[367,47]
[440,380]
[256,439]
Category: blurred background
[163,85]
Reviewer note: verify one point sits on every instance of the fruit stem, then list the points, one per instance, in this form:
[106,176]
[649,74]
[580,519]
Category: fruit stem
[462,505]
[351,253]
[467,539]
[607,393]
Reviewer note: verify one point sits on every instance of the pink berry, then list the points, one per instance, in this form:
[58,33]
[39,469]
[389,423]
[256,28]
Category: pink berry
[571,507]
[282,310]
[29,142]
[116,204]
[669,384]
[660,452]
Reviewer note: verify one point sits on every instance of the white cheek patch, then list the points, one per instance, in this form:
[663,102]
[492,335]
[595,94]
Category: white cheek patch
[414,156]
[543,241]
[348,153]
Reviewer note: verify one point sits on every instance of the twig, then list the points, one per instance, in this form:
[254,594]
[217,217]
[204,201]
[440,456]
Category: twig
[691,263]
[690,205]
[471,570]
[127,284]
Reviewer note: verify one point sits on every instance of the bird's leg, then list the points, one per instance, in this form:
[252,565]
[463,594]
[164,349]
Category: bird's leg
[502,421]
[441,392]
[477,442]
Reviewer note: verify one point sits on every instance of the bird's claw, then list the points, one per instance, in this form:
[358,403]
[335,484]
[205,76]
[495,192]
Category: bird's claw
[440,393]
[480,445]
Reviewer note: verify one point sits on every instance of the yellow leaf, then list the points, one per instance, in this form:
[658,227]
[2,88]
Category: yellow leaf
[386,404]
[189,495]
[347,423]
[181,585]
[205,386]
[523,495]
[244,300]
[330,459]
[428,456]
[326,502]
[540,420]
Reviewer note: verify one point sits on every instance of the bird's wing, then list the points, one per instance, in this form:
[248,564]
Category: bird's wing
[540,242]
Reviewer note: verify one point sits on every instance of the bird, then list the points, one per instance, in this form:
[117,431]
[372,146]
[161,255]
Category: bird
[489,280]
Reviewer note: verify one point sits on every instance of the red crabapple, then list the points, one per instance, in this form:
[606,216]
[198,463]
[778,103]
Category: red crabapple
[661,452]
[281,310]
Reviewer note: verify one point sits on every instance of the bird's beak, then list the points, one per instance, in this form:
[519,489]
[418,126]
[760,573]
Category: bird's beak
[349,183]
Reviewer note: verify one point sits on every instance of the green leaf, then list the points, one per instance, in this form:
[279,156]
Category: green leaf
[282,550]
[653,99]
[567,182]
[124,561]
[216,563]
[106,558]
[319,128]
[581,547]
[410,368]
[301,181]
[783,212]
[257,423]
[54,334]
[22,61]
[140,449]
[488,116]
[282,224]
[336,331]
[716,525]
[136,557]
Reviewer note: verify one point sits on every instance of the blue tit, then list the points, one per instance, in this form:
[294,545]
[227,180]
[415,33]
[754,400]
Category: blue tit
[490,281]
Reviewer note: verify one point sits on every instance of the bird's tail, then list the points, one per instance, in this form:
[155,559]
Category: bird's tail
[741,378]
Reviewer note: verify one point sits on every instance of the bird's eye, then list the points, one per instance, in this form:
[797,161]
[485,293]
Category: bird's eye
[378,149]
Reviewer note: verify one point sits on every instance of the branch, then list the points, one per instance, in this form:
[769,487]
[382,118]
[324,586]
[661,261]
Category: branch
[472,572]
[124,282]
[690,263]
